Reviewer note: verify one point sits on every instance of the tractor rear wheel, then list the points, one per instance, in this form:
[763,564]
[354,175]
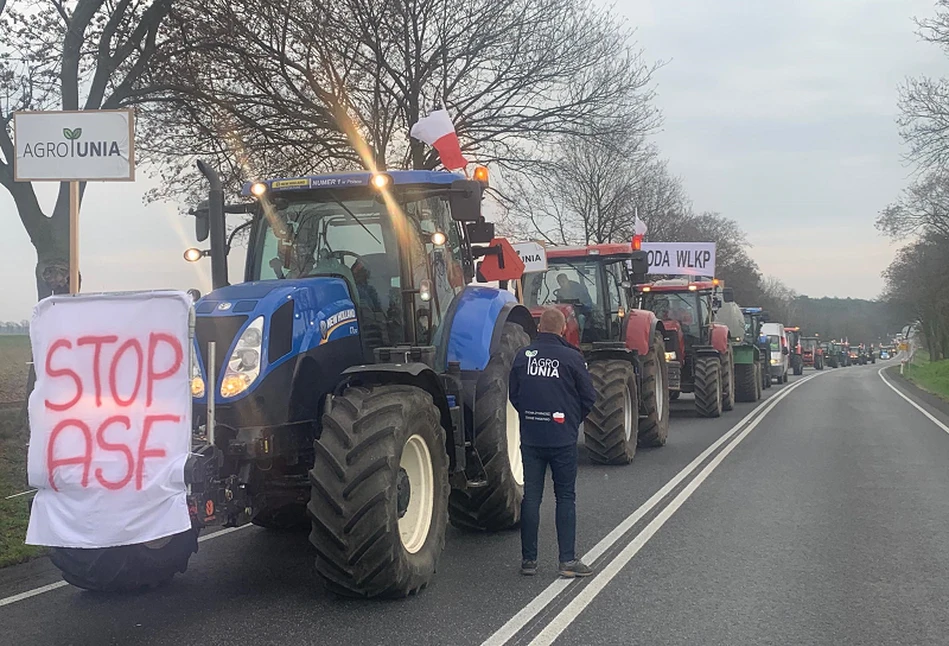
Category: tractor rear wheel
[611,429]
[379,492]
[757,382]
[654,426]
[797,364]
[498,441]
[126,568]
[708,387]
[765,373]
[747,382]
[728,381]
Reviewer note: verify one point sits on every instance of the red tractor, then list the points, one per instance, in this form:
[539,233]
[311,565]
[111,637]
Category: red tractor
[592,286]
[699,354]
[812,353]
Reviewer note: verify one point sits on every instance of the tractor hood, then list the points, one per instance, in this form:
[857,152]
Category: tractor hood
[292,316]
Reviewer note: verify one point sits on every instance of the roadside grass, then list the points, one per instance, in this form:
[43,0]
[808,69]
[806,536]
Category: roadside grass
[932,376]
[14,434]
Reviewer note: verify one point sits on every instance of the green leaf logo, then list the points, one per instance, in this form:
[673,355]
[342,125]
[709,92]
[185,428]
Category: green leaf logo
[73,134]
[530,353]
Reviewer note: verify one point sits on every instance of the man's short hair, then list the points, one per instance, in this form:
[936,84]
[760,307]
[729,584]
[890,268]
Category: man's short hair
[552,320]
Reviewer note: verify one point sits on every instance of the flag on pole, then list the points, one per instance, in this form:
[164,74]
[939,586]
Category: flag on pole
[639,227]
[438,131]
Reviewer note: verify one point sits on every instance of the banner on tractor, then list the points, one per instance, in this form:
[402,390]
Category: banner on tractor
[110,419]
[533,254]
[681,258]
[91,145]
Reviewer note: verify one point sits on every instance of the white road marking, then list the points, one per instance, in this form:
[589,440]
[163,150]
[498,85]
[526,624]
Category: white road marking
[61,584]
[516,623]
[573,609]
[912,403]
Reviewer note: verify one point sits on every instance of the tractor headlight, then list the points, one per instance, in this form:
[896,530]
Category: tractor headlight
[244,365]
[197,381]
[671,356]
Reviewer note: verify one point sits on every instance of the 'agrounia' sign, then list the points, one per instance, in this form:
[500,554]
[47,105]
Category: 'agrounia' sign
[93,145]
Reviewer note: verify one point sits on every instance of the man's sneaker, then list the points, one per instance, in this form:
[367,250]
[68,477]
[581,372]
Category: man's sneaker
[528,568]
[575,568]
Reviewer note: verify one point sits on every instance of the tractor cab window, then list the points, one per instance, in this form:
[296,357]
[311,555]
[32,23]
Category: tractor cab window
[571,283]
[616,297]
[672,306]
[350,235]
[443,263]
[774,341]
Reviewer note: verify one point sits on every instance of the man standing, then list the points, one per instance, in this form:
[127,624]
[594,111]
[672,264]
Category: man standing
[552,392]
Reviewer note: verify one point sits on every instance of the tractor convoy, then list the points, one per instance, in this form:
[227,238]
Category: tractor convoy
[356,380]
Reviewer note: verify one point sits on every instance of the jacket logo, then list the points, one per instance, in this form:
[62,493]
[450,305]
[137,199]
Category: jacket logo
[542,367]
[559,417]
[530,353]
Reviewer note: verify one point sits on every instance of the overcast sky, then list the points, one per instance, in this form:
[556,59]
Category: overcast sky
[777,114]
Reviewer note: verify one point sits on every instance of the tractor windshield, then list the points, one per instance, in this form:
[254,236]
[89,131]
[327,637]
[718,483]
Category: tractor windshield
[383,252]
[681,307]
[579,284]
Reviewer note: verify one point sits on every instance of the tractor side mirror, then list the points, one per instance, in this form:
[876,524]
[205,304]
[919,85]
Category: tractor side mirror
[728,295]
[638,267]
[785,351]
[202,221]
[480,232]
[195,294]
[465,200]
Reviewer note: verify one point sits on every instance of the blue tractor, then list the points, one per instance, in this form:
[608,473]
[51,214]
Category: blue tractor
[358,381]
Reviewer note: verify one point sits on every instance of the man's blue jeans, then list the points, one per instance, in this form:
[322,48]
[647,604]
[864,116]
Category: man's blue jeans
[563,468]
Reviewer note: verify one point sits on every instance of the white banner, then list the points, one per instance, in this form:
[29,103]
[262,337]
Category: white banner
[533,254]
[110,419]
[93,145]
[681,258]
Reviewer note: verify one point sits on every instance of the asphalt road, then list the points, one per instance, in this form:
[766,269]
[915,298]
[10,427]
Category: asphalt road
[817,517]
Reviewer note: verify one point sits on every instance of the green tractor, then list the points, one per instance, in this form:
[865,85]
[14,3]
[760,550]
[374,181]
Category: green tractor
[751,357]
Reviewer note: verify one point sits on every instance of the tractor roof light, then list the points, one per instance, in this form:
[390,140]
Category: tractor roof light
[381,181]
[716,282]
[258,189]
[637,242]
[647,288]
[693,288]
[481,174]
[438,239]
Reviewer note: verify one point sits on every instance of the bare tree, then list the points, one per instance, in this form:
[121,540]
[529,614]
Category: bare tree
[923,208]
[907,288]
[307,85]
[70,55]
[924,101]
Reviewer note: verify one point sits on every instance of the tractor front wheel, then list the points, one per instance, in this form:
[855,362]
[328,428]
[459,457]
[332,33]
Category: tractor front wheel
[611,429]
[379,492]
[708,387]
[126,568]
[498,441]
[728,381]
[655,396]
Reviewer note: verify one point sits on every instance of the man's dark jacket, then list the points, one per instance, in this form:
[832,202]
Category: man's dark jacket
[551,390]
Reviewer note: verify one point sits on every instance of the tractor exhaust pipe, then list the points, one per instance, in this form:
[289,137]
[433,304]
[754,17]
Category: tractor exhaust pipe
[218,234]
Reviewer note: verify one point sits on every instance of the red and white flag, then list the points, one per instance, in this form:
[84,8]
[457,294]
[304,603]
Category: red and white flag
[437,130]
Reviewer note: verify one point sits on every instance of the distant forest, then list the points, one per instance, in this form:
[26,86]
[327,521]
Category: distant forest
[854,319]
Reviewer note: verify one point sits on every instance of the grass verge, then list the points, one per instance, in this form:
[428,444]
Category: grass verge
[14,513]
[932,376]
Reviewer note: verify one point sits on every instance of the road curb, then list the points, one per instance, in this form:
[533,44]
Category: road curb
[920,394]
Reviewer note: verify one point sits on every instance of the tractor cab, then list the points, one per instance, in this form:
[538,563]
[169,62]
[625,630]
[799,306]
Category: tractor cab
[685,305]
[591,286]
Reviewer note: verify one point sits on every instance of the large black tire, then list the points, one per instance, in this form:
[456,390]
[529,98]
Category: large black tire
[747,382]
[359,492]
[758,385]
[708,387]
[498,505]
[611,429]
[655,396]
[765,373]
[728,381]
[127,568]
[674,395]
[784,377]
[797,364]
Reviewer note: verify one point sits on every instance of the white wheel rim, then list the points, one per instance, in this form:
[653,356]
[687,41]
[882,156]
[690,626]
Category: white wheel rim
[660,391]
[513,435]
[628,413]
[416,522]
